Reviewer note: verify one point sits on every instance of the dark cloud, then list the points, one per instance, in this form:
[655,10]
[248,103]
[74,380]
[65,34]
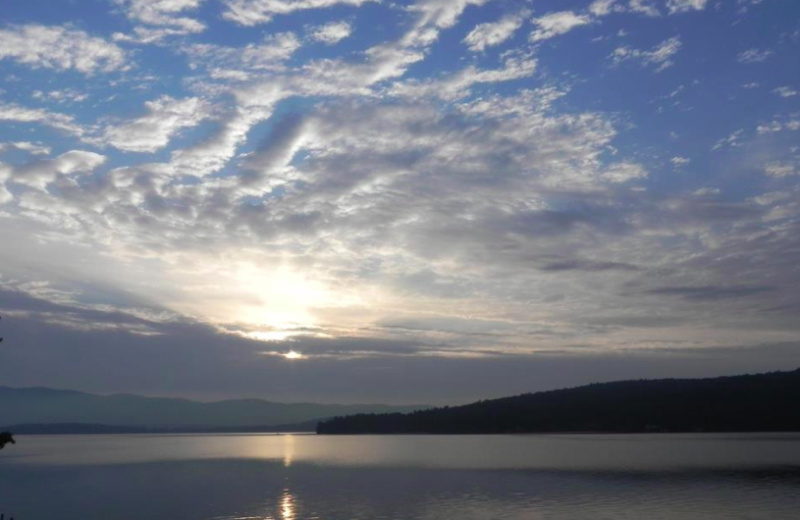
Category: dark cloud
[587,265]
[710,292]
[191,359]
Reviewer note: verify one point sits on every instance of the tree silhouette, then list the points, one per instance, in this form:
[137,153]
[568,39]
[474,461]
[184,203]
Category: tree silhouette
[6,438]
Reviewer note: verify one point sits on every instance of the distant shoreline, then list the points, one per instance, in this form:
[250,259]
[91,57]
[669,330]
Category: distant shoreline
[421,434]
[104,429]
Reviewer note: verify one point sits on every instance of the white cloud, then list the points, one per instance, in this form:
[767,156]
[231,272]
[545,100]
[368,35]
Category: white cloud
[660,56]
[457,86]
[785,92]
[214,152]
[159,19]
[645,7]
[39,174]
[164,117]
[493,33]
[706,192]
[331,33]
[681,6]
[753,56]
[60,48]
[63,122]
[769,128]
[555,24]
[779,125]
[254,12]
[732,141]
[604,7]
[679,162]
[256,99]
[269,54]
[25,146]
[624,171]
[744,5]
[66,96]
[780,169]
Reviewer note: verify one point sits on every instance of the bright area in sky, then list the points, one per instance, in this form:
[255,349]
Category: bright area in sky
[407,193]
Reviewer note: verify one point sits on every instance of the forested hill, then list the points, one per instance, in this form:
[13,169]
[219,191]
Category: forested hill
[749,403]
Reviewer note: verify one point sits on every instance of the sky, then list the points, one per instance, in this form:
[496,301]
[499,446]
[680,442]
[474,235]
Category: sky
[426,201]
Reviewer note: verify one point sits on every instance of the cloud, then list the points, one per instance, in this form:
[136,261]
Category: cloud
[164,118]
[680,162]
[624,171]
[493,33]
[238,63]
[660,56]
[710,292]
[785,92]
[40,173]
[159,19]
[60,48]
[62,122]
[556,24]
[645,7]
[587,265]
[682,6]
[734,140]
[124,341]
[458,85]
[254,12]
[777,125]
[215,151]
[780,169]
[25,146]
[706,192]
[604,7]
[67,96]
[754,56]
[331,33]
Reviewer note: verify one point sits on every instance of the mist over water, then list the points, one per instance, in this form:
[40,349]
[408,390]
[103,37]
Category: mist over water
[299,477]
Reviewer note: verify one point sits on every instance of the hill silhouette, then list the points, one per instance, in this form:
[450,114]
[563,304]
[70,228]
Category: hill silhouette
[43,406]
[747,403]
[105,429]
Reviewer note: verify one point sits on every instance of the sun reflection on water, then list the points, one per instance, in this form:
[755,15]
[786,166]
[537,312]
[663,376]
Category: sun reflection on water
[288,450]
[287,506]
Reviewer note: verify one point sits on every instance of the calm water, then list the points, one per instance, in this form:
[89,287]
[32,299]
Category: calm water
[300,477]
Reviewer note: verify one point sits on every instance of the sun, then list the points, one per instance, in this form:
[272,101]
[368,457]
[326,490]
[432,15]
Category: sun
[293,355]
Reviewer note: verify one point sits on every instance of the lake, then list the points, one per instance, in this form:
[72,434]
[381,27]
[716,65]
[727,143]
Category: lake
[305,477]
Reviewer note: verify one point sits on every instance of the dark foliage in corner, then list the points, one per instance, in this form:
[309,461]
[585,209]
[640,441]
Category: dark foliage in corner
[749,403]
[6,438]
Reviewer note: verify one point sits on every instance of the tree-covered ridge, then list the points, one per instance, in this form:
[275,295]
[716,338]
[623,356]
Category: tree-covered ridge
[763,402]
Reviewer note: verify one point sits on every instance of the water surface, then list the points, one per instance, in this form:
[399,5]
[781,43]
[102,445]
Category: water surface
[299,477]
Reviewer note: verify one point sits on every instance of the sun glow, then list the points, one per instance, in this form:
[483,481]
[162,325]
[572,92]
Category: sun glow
[294,355]
[266,299]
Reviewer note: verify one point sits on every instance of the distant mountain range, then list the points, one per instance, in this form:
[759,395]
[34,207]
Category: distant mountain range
[748,403]
[45,410]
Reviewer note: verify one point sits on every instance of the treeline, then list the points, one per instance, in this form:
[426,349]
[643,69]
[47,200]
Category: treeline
[748,403]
